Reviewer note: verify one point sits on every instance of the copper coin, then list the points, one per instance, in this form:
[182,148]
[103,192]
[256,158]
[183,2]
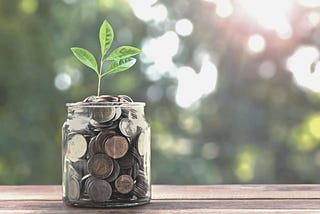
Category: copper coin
[116,146]
[124,184]
[100,166]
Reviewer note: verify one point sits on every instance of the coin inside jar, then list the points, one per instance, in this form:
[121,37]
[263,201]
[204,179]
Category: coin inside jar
[103,114]
[142,143]
[116,146]
[127,127]
[99,190]
[77,147]
[124,184]
[100,166]
[73,189]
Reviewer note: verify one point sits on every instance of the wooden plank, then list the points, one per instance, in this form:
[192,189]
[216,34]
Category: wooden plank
[38,192]
[235,199]
[273,191]
[181,192]
[166,206]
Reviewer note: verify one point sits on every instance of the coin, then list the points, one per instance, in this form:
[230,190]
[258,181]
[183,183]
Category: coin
[81,166]
[103,114]
[73,189]
[100,166]
[99,190]
[77,147]
[124,184]
[117,114]
[126,161]
[115,173]
[127,127]
[135,171]
[142,144]
[116,146]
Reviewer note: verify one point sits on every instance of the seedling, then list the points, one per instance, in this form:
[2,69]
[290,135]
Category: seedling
[118,60]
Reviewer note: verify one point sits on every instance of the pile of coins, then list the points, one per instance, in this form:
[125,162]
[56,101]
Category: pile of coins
[106,160]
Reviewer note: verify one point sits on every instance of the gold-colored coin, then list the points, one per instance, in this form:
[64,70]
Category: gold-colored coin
[100,166]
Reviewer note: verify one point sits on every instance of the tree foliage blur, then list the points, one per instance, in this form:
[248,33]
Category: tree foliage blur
[254,123]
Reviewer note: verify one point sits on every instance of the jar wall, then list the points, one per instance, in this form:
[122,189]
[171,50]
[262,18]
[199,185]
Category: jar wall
[106,155]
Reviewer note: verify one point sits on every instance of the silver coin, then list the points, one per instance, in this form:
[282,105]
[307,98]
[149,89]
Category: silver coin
[73,189]
[115,173]
[103,114]
[117,114]
[77,147]
[99,190]
[128,128]
[142,143]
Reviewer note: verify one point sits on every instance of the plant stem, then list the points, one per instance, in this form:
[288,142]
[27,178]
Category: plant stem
[100,76]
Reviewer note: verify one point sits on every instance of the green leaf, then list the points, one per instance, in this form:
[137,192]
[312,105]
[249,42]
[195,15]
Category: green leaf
[105,37]
[123,52]
[121,65]
[86,58]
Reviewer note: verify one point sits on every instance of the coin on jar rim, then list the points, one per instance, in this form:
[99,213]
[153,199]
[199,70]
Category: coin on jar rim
[128,127]
[103,114]
[77,147]
[100,166]
[99,190]
[124,184]
[116,146]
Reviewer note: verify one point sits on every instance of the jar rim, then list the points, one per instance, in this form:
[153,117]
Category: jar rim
[101,104]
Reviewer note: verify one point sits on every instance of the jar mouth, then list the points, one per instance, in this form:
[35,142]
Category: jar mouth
[103,104]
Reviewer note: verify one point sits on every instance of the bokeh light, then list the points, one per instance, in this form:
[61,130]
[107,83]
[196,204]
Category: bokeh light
[256,43]
[184,27]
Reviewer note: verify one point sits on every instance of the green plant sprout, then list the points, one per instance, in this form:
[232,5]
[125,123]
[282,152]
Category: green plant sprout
[118,60]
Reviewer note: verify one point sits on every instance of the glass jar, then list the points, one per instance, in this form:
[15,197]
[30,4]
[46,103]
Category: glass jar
[106,155]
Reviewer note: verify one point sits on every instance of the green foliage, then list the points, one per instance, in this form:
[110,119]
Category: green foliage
[121,58]
[252,129]
[86,58]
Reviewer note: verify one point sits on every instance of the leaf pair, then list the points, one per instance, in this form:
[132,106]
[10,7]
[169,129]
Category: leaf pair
[120,58]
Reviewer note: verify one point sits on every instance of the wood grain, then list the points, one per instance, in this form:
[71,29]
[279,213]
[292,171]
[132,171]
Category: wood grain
[177,199]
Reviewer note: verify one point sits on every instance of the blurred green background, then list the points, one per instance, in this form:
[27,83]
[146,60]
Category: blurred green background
[232,87]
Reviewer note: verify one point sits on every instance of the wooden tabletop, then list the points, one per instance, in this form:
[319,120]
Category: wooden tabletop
[177,199]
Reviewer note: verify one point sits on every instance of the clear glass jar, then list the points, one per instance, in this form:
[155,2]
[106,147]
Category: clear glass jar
[106,155]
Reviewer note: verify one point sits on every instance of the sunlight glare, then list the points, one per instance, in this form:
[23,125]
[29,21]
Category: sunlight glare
[309,3]
[224,8]
[299,63]
[159,52]
[147,10]
[314,18]
[271,14]
[192,86]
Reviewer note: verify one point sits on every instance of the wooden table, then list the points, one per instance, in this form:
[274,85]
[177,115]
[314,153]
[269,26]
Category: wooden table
[177,199]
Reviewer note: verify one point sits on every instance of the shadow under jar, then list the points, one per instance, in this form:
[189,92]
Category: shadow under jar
[106,155]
